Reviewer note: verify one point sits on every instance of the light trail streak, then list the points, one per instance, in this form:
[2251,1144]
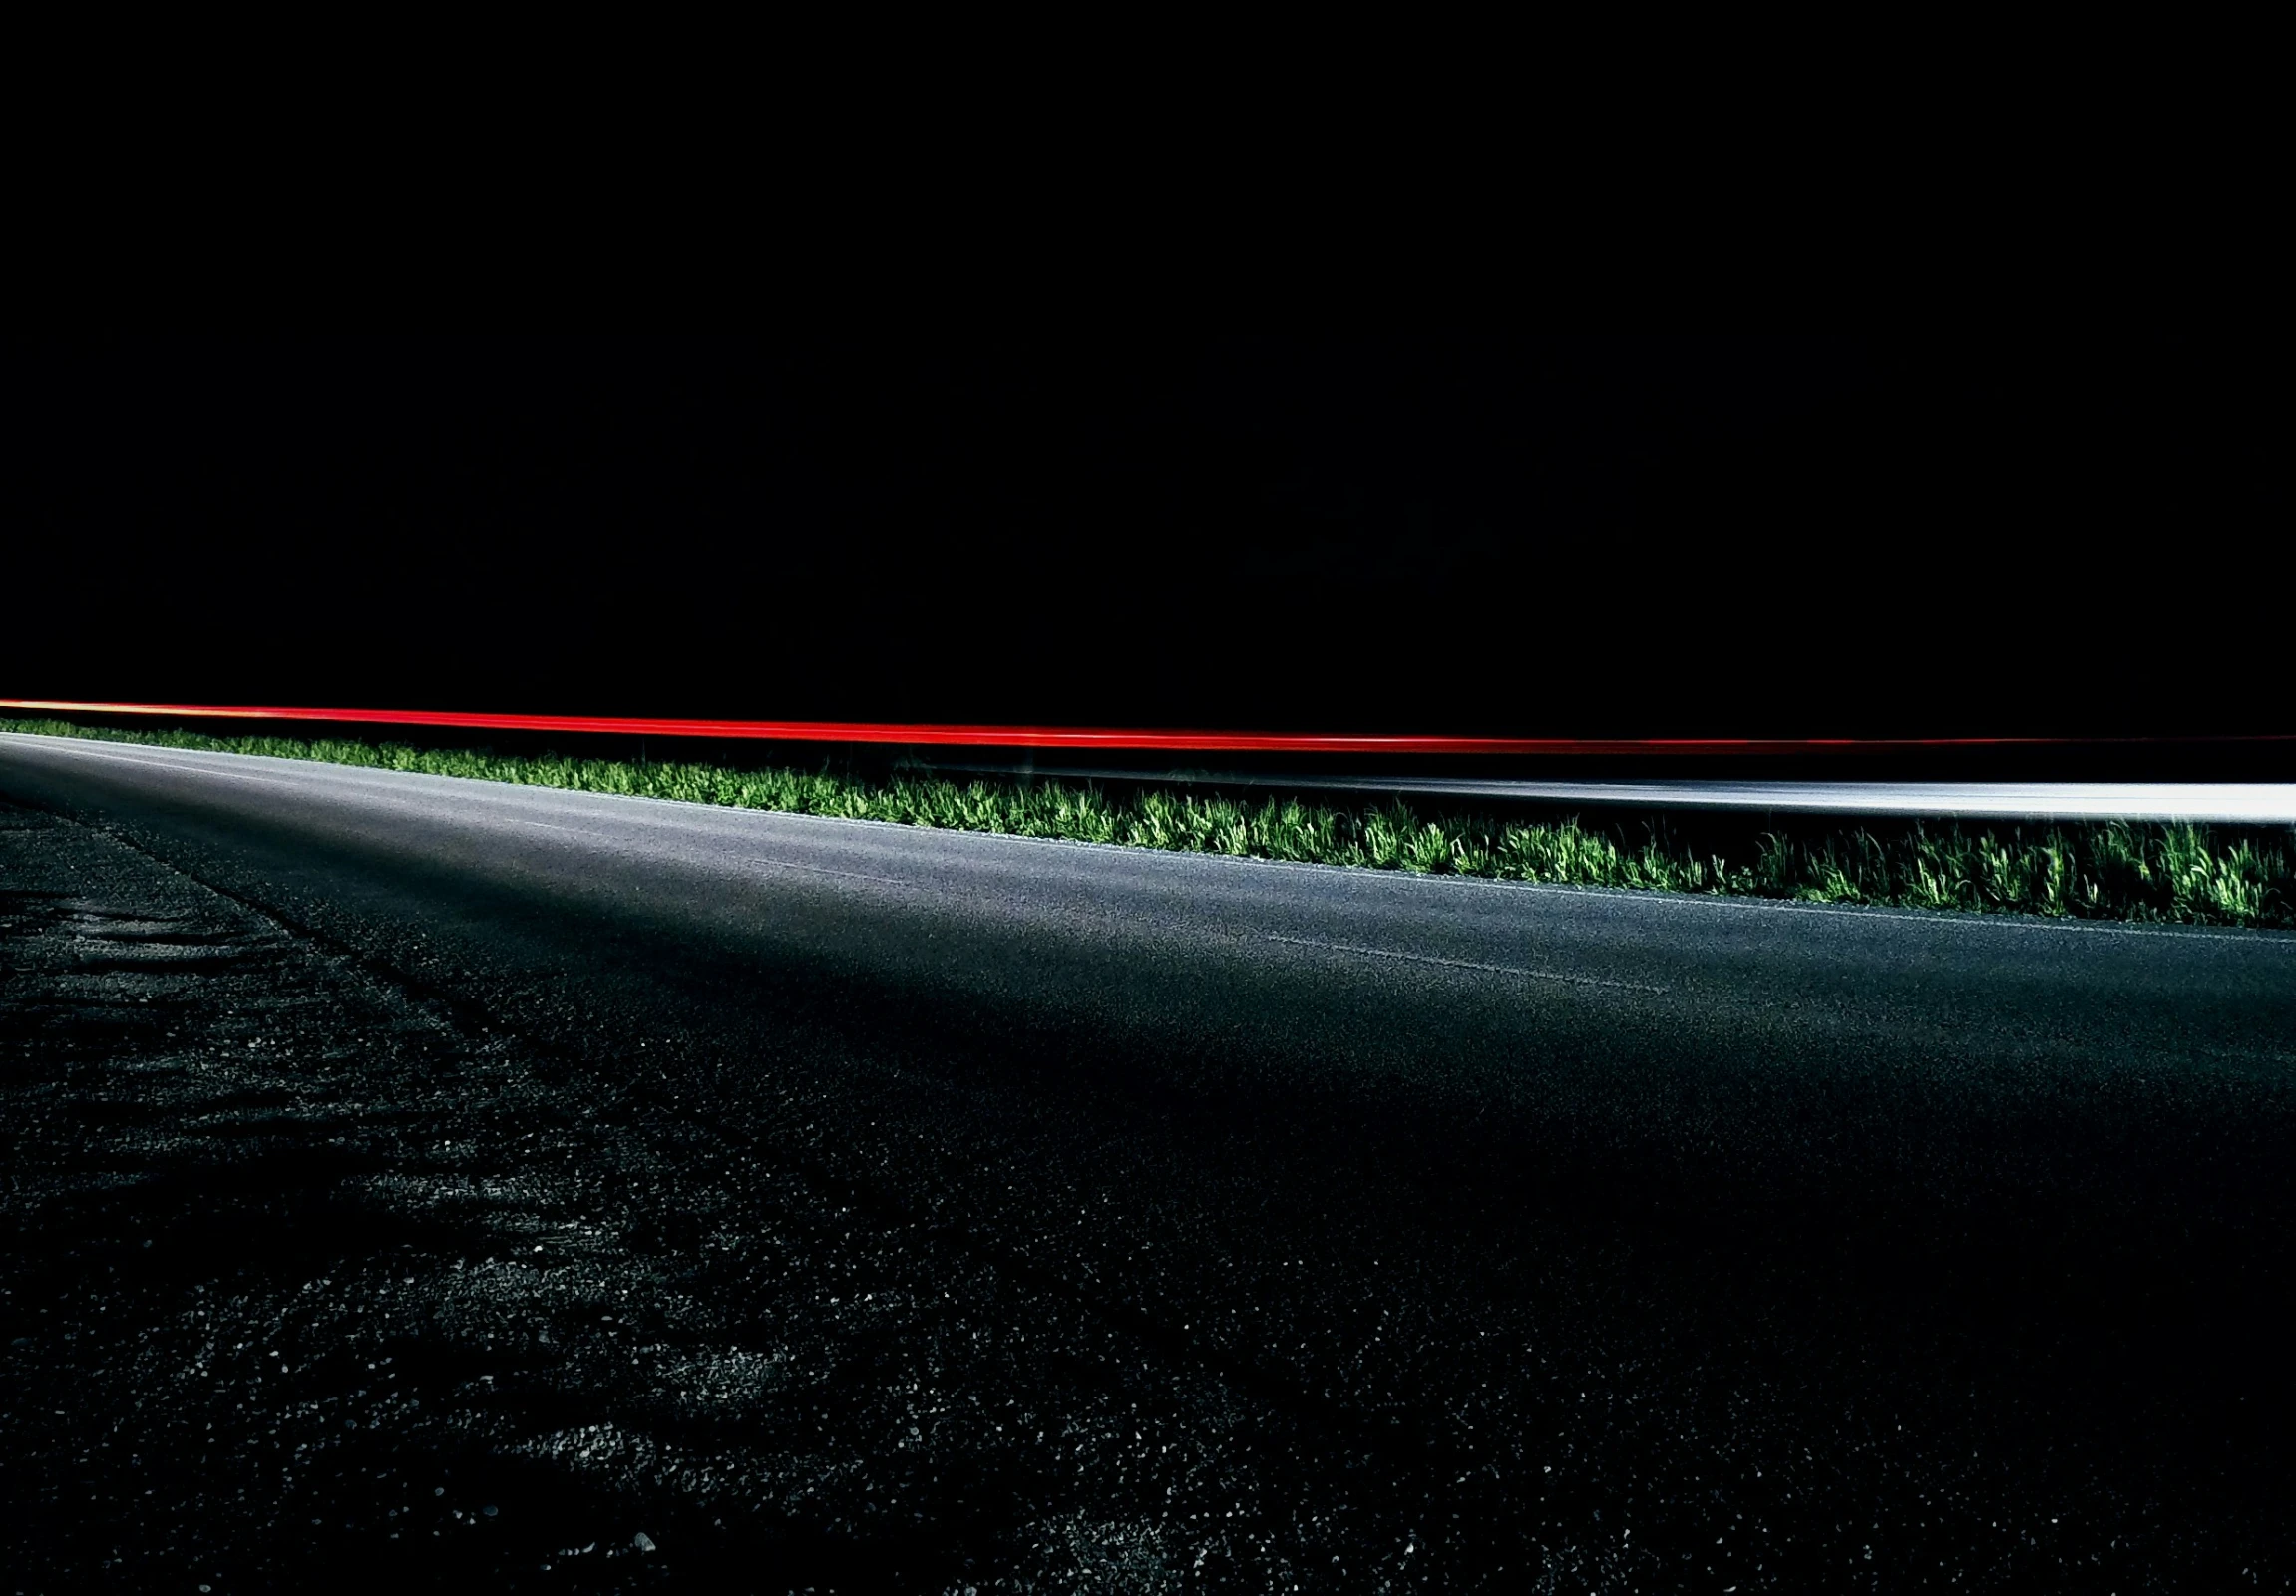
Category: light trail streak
[1085,737]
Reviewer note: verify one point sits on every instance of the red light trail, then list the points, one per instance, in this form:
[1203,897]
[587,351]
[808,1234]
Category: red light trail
[1115,738]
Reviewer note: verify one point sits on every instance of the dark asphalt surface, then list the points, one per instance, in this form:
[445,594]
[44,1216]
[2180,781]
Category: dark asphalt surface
[470,1186]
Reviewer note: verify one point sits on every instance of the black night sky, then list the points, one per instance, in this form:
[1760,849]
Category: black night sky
[1950,534]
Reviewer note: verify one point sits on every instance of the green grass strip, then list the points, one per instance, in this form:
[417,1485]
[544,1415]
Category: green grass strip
[2112,870]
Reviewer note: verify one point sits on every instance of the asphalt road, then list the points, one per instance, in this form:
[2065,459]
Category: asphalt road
[496,1185]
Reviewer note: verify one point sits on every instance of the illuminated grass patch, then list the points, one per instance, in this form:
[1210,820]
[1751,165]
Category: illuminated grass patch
[2111,870]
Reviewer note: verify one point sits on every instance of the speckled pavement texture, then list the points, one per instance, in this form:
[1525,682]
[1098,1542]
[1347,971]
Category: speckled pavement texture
[435,1209]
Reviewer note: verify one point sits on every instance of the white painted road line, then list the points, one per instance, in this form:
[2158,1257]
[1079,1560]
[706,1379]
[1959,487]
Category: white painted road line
[1461,963]
[169,765]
